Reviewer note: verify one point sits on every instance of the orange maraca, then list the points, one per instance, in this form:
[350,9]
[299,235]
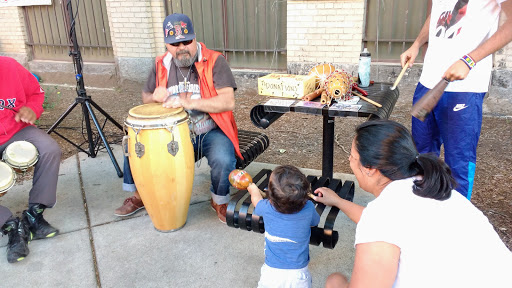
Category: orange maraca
[240,179]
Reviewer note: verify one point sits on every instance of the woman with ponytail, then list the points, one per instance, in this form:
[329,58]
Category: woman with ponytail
[418,231]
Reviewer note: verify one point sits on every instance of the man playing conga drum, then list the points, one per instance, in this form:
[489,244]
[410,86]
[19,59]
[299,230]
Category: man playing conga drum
[191,76]
[22,100]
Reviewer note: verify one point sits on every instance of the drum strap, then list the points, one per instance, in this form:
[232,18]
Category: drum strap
[200,148]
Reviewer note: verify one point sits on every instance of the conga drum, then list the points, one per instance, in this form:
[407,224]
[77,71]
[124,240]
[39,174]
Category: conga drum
[161,156]
[7,178]
[20,155]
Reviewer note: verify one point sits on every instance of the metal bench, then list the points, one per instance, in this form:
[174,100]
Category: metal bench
[251,144]
[239,210]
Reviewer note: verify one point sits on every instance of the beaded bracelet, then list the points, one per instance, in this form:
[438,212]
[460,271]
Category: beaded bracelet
[469,61]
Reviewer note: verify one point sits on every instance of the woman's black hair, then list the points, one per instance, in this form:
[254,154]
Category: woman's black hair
[288,189]
[387,146]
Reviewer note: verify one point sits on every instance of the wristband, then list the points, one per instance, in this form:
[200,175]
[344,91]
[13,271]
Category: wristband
[469,61]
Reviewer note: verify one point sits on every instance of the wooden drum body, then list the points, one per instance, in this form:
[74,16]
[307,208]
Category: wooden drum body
[7,178]
[162,162]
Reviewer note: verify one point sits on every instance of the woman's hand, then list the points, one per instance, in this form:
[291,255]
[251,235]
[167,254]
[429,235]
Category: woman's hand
[326,196]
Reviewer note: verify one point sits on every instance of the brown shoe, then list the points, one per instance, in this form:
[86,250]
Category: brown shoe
[129,207]
[220,209]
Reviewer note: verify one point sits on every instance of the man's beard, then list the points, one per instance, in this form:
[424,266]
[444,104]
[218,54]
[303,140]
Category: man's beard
[186,60]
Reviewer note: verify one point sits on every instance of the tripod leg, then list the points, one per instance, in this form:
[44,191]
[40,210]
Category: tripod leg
[106,114]
[100,132]
[70,108]
[85,111]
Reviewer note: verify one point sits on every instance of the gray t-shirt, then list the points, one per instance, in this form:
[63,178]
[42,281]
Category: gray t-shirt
[222,77]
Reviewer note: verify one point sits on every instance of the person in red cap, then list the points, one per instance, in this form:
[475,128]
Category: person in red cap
[191,76]
[21,100]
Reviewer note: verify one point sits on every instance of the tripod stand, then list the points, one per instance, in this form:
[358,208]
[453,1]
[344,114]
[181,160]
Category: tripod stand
[86,102]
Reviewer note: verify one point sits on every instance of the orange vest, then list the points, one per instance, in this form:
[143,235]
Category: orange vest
[225,120]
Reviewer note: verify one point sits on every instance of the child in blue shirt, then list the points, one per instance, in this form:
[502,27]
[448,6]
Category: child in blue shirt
[288,217]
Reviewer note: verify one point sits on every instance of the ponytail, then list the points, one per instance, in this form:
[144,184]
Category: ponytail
[437,182]
[388,147]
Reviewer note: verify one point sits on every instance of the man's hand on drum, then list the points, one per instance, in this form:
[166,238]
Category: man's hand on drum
[160,94]
[176,102]
[26,115]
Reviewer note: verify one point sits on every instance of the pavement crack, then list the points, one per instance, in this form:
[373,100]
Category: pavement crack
[89,229]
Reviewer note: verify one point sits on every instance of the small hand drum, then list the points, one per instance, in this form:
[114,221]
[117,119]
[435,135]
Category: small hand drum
[20,155]
[321,72]
[7,178]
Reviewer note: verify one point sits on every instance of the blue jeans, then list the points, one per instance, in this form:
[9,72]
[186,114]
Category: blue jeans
[219,151]
[455,123]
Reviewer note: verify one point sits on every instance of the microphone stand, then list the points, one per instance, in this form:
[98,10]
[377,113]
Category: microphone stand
[86,103]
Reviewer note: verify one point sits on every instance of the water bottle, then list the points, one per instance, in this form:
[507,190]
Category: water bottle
[364,68]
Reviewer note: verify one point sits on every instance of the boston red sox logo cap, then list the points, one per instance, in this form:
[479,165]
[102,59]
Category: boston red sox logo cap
[178,28]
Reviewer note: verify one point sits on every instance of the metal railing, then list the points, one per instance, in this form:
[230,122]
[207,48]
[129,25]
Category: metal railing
[391,26]
[250,33]
[48,31]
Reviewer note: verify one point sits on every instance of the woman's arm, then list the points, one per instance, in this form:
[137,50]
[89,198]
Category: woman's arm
[328,197]
[375,265]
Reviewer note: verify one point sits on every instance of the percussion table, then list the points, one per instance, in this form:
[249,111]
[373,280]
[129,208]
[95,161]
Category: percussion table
[264,114]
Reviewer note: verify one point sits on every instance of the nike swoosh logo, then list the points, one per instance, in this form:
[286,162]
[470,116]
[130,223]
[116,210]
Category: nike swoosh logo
[459,107]
[272,238]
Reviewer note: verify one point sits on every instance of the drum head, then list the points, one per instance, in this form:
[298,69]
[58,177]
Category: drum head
[153,111]
[154,115]
[7,177]
[20,154]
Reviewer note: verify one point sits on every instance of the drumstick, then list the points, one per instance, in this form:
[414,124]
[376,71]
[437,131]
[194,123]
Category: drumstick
[360,90]
[5,107]
[400,75]
[428,101]
[366,99]
[313,95]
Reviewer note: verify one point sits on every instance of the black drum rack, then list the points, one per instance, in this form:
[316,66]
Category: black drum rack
[239,210]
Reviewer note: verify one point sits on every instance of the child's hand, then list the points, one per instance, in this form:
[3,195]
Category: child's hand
[255,194]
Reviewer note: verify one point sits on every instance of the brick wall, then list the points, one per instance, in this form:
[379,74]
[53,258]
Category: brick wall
[136,32]
[12,34]
[130,25]
[324,31]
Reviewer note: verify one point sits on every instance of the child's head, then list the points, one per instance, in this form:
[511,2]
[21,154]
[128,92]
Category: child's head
[288,189]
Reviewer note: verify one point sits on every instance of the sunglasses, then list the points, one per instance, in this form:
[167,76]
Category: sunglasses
[177,44]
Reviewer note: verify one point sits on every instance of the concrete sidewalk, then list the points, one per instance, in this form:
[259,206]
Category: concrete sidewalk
[97,249]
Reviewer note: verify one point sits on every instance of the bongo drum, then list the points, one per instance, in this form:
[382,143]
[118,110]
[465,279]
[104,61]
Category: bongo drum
[20,155]
[7,178]
[161,156]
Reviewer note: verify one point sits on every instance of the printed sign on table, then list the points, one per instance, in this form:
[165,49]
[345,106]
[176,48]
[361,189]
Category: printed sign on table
[310,104]
[279,102]
[345,107]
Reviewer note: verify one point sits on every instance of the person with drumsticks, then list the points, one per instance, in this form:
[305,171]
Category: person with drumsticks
[461,36]
[22,100]
[418,231]
[191,76]
[289,216]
